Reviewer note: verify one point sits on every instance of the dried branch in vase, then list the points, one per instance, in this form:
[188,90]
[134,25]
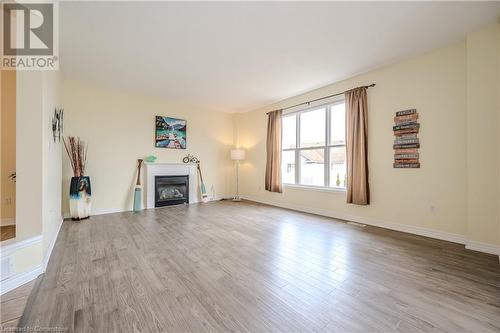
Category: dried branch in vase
[77,153]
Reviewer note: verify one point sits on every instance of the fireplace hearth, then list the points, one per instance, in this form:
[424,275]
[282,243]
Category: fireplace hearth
[171,190]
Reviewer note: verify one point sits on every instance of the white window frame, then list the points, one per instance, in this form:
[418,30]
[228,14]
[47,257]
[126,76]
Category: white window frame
[326,185]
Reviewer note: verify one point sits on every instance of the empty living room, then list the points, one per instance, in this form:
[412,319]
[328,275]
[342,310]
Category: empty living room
[250,166]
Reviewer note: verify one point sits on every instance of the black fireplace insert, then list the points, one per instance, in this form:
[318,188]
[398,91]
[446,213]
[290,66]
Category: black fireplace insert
[171,190]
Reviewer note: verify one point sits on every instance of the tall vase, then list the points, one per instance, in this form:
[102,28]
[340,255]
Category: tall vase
[80,194]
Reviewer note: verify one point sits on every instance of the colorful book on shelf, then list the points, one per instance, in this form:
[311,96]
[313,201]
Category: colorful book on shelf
[406,166]
[411,145]
[399,141]
[407,118]
[406,151]
[407,126]
[407,131]
[406,161]
[406,112]
[407,136]
[404,123]
[405,156]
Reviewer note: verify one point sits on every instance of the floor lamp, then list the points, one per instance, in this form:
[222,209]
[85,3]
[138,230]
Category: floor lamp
[237,155]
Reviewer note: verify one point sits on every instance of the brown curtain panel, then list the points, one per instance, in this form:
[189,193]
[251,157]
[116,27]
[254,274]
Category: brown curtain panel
[358,190]
[273,150]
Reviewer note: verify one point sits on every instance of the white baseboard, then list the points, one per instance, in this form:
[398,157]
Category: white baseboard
[122,210]
[482,247]
[101,212]
[432,233]
[15,280]
[9,249]
[7,221]
[51,245]
[110,211]
[19,279]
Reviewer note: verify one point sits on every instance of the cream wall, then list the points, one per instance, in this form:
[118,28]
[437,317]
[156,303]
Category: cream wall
[28,257]
[429,200]
[482,135]
[455,195]
[38,159]
[52,163]
[498,147]
[8,146]
[119,129]
[29,154]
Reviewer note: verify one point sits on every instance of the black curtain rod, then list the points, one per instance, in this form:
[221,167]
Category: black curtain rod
[319,99]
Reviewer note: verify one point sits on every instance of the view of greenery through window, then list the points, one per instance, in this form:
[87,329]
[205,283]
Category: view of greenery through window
[312,139]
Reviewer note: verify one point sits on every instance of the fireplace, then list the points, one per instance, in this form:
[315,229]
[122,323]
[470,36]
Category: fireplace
[153,170]
[171,190]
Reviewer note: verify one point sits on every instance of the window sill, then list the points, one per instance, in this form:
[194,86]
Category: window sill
[316,188]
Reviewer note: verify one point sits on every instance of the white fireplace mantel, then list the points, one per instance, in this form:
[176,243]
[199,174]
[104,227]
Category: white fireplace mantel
[170,169]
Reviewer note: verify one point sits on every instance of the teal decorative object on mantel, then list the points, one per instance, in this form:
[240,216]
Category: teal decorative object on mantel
[150,159]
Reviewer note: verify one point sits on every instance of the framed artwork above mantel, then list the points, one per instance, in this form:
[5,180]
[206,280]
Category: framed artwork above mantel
[170,133]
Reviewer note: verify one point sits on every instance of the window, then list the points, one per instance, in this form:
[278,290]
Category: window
[314,147]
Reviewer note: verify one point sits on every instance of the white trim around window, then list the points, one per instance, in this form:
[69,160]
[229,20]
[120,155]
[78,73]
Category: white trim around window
[315,188]
[327,146]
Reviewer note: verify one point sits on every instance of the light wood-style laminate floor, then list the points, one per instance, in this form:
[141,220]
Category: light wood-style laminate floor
[12,306]
[241,267]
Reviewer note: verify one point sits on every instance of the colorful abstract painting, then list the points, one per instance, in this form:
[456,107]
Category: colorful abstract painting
[170,133]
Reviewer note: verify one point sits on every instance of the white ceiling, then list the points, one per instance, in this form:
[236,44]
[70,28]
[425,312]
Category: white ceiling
[237,56]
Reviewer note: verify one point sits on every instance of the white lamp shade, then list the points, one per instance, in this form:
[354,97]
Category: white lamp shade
[237,154]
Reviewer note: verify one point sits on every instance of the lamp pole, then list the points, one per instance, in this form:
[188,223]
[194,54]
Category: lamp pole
[237,155]
[237,197]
